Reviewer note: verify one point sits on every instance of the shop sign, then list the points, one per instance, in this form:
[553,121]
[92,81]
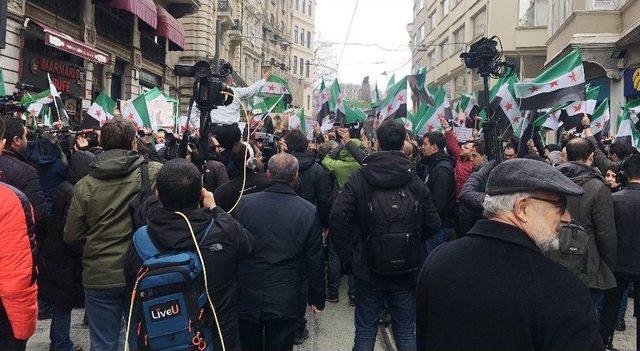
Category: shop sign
[67,77]
[632,81]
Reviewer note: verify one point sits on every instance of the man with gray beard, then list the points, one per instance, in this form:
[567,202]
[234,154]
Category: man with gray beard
[495,289]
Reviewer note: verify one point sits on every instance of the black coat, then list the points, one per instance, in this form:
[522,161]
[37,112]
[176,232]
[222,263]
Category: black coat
[288,241]
[315,185]
[626,206]
[594,211]
[170,232]
[390,170]
[495,290]
[227,194]
[14,170]
[60,264]
[440,179]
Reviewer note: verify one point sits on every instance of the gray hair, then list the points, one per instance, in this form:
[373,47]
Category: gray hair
[283,168]
[499,204]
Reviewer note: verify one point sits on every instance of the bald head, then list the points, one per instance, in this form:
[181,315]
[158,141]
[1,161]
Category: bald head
[579,149]
[283,168]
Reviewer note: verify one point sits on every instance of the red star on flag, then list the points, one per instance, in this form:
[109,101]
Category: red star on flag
[553,84]
[389,108]
[508,106]
[283,89]
[98,113]
[573,76]
[400,98]
[272,87]
[577,108]
[440,115]
[431,127]
[516,119]
[130,116]
[533,89]
[598,125]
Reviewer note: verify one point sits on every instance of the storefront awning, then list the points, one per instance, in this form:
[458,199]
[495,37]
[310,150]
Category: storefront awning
[145,10]
[170,28]
[64,42]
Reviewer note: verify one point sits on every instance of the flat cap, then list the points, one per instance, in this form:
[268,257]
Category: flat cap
[523,175]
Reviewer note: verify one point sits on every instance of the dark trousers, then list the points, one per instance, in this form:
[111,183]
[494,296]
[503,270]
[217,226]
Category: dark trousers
[271,335]
[227,135]
[611,307]
[12,344]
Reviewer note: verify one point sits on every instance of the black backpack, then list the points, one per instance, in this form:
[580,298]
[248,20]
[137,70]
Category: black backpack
[574,249]
[392,244]
[143,200]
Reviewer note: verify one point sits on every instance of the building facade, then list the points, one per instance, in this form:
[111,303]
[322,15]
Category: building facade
[302,54]
[120,47]
[443,29]
[608,34]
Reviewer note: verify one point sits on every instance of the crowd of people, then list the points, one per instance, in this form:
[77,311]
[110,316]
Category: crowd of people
[457,250]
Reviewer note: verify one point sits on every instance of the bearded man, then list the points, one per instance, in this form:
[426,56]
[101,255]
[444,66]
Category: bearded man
[495,289]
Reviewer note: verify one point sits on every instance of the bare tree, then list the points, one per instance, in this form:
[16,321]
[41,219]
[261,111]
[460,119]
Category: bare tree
[325,63]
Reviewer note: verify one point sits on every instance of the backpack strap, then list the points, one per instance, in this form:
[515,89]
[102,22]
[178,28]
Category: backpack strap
[143,244]
[145,185]
[206,231]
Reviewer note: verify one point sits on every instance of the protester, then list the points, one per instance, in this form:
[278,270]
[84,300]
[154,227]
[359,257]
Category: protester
[99,217]
[288,240]
[215,173]
[315,188]
[626,204]
[468,157]
[225,119]
[594,212]
[388,178]
[179,189]
[463,299]
[60,264]
[160,139]
[50,162]
[18,173]
[612,177]
[250,178]
[18,288]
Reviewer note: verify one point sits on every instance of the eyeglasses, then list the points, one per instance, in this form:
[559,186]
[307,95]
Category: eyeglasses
[560,203]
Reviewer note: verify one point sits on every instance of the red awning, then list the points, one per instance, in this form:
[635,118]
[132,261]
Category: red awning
[170,28]
[73,46]
[145,10]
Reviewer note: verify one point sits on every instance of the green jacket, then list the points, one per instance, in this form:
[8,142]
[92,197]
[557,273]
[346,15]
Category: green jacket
[341,166]
[99,215]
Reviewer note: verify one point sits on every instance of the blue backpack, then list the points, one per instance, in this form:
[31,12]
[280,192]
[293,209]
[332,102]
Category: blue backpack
[169,305]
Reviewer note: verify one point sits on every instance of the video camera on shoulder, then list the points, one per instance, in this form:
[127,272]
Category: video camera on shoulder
[355,130]
[269,143]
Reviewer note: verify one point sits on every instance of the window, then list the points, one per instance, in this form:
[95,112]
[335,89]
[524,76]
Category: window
[460,83]
[431,59]
[447,88]
[420,34]
[310,5]
[282,26]
[301,67]
[445,7]
[432,20]
[295,34]
[479,23]
[272,19]
[534,13]
[297,4]
[444,50]
[308,102]
[302,36]
[295,64]
[282,3]
[303,6]
[309,39]
[307,73]
[458,38]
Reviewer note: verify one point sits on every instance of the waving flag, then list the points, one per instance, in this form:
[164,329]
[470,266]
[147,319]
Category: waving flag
[560,83]
[466,103]
[355,115]
[137,111]
[430,120]
[102,109]
[275,86]
[323,103]
[599,117]
[34,103]
[627,132]
[505,106]
[634,112]
[395,104]
[417,85]
[336,103]
[62,112]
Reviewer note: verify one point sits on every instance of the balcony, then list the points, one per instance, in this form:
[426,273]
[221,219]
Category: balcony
[235,32]
[225,13]
[181,8]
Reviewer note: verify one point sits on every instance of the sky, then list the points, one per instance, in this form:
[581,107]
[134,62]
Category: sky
[381,22]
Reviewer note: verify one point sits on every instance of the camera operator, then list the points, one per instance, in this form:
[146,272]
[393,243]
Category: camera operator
[224,119]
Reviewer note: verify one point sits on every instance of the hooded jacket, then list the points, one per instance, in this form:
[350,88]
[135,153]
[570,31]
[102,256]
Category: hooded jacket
[315,185]
[381,170]
[50,163]
[464,167]
[594,212]
[225,246]
[440,179]
[99,215]
[341,165]
[18,288]
[60,264]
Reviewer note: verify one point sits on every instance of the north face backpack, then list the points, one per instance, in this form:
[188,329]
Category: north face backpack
[392,243]
[574,249]
[169,304]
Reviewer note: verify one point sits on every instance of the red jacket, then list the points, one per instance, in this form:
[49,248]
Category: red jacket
[18,288]
[464,168]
